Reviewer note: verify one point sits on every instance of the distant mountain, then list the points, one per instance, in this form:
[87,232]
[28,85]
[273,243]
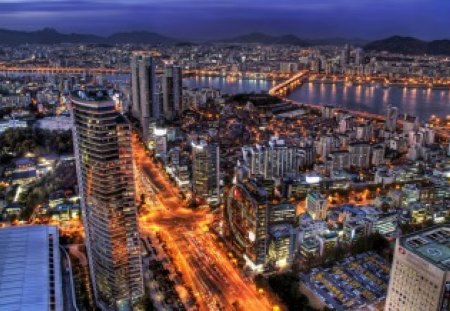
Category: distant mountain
[338,41]
[257,37]
[51,36]
[140,37]
[44,36]
[409,45]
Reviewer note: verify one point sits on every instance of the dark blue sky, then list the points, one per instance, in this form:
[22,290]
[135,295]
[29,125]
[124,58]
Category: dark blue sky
[207,19]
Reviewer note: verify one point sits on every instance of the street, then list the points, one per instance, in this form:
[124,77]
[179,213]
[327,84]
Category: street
[215,280]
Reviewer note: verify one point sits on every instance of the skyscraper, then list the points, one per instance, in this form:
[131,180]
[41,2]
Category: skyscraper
[345,56]
[205,171]
[146,105]
[420,275]
[391,119]
[106,184]
[246,223]
[359,56]
[172,91]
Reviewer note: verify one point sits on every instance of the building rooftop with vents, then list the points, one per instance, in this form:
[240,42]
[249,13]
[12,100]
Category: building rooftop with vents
[30,269]
[431,244]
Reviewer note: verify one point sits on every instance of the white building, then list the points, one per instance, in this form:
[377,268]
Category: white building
[12,123]
[30,265]
[420,278]
[60,123]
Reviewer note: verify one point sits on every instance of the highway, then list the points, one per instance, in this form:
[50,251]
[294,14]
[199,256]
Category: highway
[215,280]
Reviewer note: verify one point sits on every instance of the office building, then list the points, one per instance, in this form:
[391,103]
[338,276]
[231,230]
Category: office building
[107,195]
[420,275]
[280,247]
[205,171]
[354,229]
[30,269]
[146,104]
[246,223]
[282,213]
[316,205]
[172,91]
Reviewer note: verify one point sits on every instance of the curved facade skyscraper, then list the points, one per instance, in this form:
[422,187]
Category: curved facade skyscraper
[102,143]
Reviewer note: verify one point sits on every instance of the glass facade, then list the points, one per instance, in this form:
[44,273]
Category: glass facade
[105,177]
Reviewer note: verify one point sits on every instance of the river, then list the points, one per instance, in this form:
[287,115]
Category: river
[229,85]
[415,101]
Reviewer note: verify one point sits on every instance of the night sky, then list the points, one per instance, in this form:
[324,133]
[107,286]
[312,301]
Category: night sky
[208,19]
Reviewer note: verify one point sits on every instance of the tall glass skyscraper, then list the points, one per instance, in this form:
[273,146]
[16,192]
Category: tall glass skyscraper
[105,177]
[172,91]
[146,103]
[205,171]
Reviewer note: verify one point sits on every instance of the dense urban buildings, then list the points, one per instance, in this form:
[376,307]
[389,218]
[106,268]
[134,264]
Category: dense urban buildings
[260,175]
[102,140]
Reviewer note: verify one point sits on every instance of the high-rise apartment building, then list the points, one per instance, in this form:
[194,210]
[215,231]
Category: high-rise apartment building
[420,275]
[359,56]
[275,159]
[172,91]
[360,154]
[106,184]
[391,119]
[146,103]
[205,171]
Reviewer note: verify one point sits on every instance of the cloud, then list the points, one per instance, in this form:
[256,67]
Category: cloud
[213,18]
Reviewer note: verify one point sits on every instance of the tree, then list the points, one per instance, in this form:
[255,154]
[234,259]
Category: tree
[287,287]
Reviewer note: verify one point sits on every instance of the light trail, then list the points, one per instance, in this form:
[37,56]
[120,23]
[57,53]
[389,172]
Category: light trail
[216,282]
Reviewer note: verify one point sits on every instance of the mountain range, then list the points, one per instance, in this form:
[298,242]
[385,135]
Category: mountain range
[410,45]
[51,36]
[395,44]
[256,37]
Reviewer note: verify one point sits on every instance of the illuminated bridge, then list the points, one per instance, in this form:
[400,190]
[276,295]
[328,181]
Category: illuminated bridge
[101,70]
[283,88]
[61,70]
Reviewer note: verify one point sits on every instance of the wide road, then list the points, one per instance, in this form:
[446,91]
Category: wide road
[216,282]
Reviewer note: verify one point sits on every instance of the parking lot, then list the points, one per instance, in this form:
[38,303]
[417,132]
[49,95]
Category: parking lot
[354,282]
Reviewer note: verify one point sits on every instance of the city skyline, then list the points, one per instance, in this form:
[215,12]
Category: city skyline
[224,155]
[203,20]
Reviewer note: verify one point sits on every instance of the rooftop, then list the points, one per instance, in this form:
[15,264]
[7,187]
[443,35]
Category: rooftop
[91,94]
[25,269]
[432,244]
